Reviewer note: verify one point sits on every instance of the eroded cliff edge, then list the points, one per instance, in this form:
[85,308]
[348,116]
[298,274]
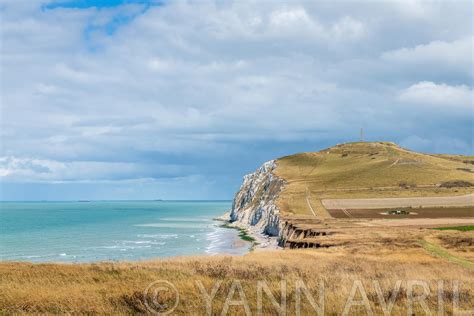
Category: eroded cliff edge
[254,206]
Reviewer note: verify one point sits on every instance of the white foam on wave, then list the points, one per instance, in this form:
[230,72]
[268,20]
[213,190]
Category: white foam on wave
[149,242]
[159,236]
[180,219]
[121,247]
[31,257]
[50,255]
[222,240]
[217,241]
[173,225]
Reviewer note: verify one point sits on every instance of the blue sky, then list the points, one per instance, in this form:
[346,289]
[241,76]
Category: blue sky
[179,99]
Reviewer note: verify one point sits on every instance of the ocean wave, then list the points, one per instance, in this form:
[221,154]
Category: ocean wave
[222,240]
[50,255]
[180,219]
[148,242]
[158,236]
[123,247]
[171,225]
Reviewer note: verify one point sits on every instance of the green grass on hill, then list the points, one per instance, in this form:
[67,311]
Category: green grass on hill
[460,228]
[369,169]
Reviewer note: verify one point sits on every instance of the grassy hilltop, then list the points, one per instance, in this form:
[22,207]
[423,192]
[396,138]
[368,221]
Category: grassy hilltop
[369,170]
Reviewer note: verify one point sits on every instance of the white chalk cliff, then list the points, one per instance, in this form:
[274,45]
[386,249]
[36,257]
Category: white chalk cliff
[254,205]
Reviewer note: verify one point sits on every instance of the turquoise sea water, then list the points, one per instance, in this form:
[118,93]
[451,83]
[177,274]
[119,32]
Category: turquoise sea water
[125,230]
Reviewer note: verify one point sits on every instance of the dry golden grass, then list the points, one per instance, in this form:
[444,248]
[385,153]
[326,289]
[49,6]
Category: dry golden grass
[458,243]
[367,170]
[117,288]
[465,159]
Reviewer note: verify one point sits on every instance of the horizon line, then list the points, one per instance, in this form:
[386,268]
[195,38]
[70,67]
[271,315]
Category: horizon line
[128,200]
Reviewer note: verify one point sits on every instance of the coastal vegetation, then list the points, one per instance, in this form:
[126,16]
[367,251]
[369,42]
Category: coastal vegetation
[243,234]
[460,228]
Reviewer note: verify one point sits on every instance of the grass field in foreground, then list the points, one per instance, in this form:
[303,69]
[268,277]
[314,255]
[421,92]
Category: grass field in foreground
[369,170]
[118,288]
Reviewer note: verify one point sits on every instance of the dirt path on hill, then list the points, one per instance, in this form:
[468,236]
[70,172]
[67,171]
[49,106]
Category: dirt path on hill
[441,252]
[439,201]
[309,203]
[316,208]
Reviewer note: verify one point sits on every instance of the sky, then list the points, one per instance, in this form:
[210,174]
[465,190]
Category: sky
[163,99]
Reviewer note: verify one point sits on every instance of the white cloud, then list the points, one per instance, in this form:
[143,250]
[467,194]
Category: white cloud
[427,92]
[348,28]
[291,20]
[413,8]
[47,170]
[158,64]
[457,53]
[47,89]
[214,88]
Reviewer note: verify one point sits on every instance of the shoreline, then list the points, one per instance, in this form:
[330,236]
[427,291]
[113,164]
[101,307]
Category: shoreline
[76,232]
[247,239]
[260,241]
[226,244]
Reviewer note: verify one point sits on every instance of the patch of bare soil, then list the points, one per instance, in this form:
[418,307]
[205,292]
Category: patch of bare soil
[429,212]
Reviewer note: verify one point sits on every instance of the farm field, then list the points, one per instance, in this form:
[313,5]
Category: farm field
[425,212]
[410,202]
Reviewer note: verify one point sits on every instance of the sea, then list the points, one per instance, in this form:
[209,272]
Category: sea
[91,231]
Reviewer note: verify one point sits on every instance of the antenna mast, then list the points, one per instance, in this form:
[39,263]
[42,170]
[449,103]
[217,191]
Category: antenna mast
[361,134]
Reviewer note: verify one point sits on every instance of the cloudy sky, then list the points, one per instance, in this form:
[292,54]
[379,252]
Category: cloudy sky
[142,99]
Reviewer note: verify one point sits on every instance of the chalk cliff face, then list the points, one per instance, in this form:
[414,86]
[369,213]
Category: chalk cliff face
[254,205]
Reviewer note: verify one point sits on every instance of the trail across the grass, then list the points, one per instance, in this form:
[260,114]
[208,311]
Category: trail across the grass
[443,253]
[309,203]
